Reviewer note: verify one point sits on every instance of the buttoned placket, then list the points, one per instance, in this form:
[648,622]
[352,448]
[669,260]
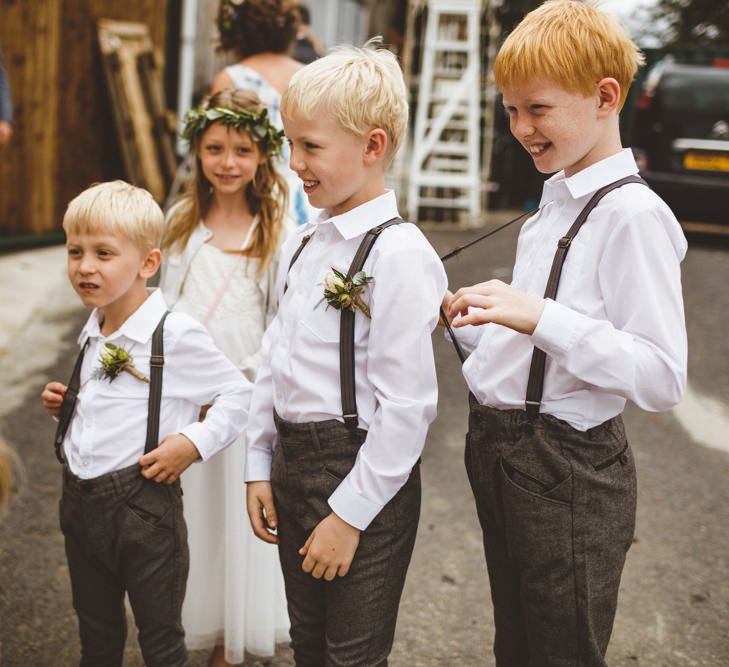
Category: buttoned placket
[88,390]
[546,219]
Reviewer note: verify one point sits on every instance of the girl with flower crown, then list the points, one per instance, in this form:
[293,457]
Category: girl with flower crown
[221,249]
[261,33]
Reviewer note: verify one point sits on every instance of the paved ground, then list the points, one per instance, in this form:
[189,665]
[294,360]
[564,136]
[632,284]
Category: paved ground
[674,606]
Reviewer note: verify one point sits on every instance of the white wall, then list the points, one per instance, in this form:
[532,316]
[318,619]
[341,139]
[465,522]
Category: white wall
[338,21]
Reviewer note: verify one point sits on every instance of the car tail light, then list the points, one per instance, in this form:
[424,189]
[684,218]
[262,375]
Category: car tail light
[721,62]
[645,99]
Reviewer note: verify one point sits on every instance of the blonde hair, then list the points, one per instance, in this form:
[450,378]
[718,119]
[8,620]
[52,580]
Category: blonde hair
[570,43]
[119,208]
[362,88]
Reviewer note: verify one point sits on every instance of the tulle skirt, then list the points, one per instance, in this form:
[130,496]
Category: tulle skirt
[235,592]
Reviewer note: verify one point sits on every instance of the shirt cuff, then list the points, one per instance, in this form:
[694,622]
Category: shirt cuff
[258,466]
[558,329]
[201,439]
[353,508]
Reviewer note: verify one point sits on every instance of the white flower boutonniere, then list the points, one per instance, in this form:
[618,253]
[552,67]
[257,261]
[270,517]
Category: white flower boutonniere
[342,292]
[114,360]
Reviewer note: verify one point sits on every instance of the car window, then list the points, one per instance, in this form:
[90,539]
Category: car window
[692,93]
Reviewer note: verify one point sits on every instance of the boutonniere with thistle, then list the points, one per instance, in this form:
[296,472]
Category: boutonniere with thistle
[340,291]
[114,360]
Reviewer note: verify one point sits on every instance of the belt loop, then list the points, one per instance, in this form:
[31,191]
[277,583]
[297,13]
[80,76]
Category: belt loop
[532,409]
[116,483]
[351,421]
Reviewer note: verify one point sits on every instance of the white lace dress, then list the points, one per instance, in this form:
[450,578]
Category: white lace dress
[235,588]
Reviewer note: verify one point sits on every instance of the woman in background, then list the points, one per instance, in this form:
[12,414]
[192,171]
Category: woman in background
[261,33]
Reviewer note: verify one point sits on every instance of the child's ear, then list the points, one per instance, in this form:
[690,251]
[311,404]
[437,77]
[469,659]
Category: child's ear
[608,90]
[375,146]
[151,263]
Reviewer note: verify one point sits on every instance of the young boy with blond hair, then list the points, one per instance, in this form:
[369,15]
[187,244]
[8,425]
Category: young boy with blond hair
[347,387]
[128,427]
[593,317]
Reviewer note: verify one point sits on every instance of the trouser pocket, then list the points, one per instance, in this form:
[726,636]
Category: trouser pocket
[152,504]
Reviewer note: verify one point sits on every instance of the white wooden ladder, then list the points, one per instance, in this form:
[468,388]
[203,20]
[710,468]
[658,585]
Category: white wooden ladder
[444,168]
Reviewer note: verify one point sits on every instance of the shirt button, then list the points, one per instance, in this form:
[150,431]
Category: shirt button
[85,463]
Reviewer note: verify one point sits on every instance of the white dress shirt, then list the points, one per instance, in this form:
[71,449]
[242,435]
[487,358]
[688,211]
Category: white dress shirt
[394,368]
[616,330]
[109,428]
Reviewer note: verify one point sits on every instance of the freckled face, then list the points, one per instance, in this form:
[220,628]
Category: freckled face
[103,268]
[560,129]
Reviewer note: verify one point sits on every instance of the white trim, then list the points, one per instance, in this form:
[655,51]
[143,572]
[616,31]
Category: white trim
[700,145]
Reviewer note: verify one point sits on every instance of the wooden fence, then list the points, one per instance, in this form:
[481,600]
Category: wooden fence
[64,137]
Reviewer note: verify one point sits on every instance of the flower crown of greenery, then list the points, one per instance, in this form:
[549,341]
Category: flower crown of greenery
[256,124]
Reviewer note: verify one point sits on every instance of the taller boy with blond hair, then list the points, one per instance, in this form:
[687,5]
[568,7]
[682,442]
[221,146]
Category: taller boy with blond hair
[593,317]
[347,387]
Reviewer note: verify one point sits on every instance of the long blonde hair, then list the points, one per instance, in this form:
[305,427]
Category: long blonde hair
[266,195]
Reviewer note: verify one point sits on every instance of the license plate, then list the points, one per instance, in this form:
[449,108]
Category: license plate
[706,162]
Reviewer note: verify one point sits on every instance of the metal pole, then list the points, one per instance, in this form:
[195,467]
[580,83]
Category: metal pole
[494,29]
[186,75]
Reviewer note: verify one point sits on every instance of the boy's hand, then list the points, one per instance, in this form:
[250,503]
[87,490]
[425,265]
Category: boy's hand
[170,459]
[52,397]
[499,303]
[445,305]
[330,549]
[262,511]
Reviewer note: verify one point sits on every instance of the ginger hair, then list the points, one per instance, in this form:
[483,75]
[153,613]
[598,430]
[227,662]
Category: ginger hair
[572,44]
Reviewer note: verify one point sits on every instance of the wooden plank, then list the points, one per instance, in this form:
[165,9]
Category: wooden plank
[64,136]
[28,192]
[153,87]
[122,45]
[14,32]
[122,114]
[43,102]
[94,153]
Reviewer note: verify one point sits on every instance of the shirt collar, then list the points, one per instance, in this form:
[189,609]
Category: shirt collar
[363,217]
[139,326]
[591,179]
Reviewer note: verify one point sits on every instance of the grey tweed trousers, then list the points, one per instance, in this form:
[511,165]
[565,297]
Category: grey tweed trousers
[557,509]
[126,534]
[349,621]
